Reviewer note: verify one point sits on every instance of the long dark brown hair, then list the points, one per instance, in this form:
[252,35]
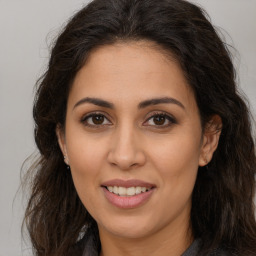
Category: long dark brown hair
[222,214]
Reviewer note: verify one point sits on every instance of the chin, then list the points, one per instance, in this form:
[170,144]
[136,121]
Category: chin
[129,228]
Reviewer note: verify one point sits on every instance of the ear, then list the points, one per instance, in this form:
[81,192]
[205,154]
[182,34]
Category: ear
[210,140]
[62,142]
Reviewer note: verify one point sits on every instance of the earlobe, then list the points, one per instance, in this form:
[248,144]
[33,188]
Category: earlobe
[210,142]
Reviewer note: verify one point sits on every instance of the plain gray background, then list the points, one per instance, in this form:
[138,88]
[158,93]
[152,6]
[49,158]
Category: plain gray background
[26,28]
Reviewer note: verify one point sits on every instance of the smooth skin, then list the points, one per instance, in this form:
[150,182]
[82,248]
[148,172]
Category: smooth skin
[123,138]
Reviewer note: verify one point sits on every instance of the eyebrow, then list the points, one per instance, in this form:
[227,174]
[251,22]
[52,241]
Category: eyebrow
[143,104]
[157,101]
[95,101]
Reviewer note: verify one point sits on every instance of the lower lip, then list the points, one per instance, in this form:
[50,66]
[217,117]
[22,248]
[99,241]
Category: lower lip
[127,202]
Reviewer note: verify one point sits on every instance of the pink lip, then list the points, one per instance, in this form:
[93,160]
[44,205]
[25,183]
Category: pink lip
[128,202]
[128,183]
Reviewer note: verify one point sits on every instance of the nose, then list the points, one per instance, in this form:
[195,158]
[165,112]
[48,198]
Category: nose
[126,149]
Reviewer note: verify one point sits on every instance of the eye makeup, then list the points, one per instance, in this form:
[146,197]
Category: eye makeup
[156,119]
[160,119]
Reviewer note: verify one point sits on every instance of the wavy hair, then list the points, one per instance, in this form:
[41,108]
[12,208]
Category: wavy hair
[222,214]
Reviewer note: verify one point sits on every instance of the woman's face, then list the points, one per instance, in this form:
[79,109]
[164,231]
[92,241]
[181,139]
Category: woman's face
[133,140]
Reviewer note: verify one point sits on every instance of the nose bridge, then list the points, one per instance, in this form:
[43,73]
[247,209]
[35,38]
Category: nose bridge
[126,150]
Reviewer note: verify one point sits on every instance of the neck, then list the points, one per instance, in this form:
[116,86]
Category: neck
[168,241]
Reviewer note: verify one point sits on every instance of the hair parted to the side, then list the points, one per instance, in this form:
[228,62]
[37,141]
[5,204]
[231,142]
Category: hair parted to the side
[222,204]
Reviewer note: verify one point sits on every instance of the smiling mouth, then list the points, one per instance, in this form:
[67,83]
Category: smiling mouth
[126,192]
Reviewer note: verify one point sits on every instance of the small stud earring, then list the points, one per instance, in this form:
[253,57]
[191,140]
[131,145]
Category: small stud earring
[66,161]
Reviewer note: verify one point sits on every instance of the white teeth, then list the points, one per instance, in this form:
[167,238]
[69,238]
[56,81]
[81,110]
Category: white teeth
[138,190]
[130,191]
[122,191]
[115,190]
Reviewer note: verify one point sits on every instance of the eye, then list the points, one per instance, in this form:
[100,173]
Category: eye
[95,119]
[161,120]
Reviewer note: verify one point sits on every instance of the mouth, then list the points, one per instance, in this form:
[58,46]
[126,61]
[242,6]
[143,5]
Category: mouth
[129,193]
[126,192]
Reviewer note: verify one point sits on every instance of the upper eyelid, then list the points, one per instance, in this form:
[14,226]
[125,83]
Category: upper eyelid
[95,113]
[156,113]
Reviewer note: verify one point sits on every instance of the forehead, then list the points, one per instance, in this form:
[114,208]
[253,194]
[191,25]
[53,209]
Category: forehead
[131,71]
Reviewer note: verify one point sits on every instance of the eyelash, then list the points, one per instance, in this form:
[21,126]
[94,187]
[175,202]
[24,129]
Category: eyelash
[171,120]
[85,118]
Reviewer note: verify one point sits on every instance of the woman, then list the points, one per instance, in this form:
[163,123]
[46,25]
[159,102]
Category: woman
[146,146]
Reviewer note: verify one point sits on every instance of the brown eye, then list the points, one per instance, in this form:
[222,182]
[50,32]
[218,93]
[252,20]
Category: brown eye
[159,120]
[95,120]
[98,119]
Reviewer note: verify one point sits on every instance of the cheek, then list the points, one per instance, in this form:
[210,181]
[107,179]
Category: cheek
[85,154]
[86,160]
[177,151]
[177,161]
[177,165]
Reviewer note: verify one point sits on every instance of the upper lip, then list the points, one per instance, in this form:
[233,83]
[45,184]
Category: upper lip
[127,183]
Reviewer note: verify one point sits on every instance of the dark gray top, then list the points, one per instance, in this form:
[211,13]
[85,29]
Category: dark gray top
[193,249]
[90,250]
[89,245]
